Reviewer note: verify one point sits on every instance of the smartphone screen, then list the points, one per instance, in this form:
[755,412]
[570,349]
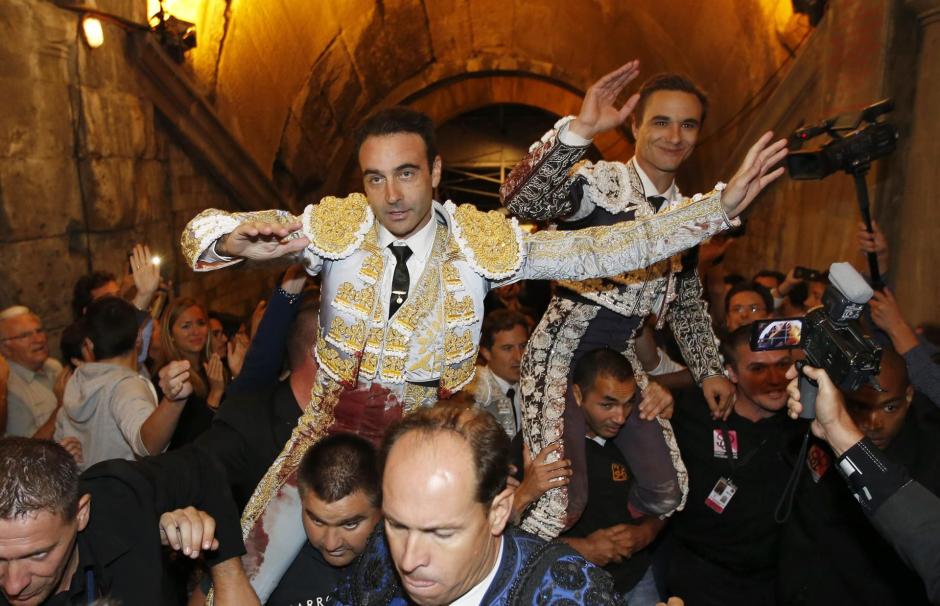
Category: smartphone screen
[781,333]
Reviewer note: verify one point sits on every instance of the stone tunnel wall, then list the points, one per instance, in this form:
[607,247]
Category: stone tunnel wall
[87,169]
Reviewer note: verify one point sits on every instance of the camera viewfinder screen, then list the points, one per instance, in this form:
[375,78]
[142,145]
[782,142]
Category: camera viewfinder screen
[785,333]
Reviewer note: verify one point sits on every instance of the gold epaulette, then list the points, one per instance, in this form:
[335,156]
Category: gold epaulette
[337,226]
[490,241]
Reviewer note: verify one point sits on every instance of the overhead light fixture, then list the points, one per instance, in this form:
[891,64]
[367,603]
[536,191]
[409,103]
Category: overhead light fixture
[93,31]
[176,35]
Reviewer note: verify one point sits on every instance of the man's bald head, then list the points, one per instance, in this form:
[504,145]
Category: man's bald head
[880,414]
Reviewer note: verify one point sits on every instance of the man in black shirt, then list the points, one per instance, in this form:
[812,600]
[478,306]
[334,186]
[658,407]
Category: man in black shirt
[607,534]
[724,547]
[339,486]
[831,553]
[67,540]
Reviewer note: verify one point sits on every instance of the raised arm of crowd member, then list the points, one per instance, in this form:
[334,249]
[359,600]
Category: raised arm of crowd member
[903,511]
[781,291]
[874,242]
[146,275]
[265,357]
[918,353]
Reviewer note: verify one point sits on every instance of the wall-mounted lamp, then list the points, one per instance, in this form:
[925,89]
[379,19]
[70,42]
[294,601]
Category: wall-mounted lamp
[176,35]
[93,31]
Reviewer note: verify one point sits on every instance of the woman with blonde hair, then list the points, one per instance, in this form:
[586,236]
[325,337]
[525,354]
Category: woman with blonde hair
[185,336]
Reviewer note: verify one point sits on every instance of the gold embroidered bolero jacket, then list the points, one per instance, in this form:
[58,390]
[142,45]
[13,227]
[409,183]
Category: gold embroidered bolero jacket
[540,187]
[435,334]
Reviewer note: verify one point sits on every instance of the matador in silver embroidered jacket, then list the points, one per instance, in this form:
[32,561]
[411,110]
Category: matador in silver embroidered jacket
[548,185]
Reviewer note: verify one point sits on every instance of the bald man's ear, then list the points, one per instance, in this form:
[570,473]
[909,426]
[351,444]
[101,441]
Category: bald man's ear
[500,510]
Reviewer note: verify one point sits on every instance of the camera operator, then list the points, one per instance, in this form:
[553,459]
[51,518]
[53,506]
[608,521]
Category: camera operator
[830,553]
[902,510]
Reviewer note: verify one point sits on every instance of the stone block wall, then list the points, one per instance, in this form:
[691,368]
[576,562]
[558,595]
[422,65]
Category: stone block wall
[88,168]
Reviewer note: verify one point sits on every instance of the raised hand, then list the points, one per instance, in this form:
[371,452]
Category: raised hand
[174,381]
[237,348]
[754,174]
[262,241]
[146,275]
[598,112]
[874,242]
[886,314]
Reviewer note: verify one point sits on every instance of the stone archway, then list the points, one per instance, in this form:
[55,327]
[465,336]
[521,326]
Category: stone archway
[454,95]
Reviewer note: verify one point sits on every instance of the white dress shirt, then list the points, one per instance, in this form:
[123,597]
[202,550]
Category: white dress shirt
[421,242]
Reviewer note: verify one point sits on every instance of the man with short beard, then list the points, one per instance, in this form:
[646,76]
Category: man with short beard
[724,544]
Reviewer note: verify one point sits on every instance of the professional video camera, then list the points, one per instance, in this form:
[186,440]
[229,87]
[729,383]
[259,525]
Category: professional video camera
[830,335]
[851,149]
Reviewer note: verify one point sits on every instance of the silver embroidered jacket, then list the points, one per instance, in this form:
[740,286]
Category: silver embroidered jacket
[545,187]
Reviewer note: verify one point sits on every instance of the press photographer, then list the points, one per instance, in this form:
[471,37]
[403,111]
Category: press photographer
[873,440]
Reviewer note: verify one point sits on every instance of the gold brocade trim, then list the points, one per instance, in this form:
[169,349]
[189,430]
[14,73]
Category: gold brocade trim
[372,268]
[337,226]
[491,243]
[417,396]
[348,338]
[451,275]
[458,346]
[393,369]
[357,302]
[396,344]
[339,367]
[455,377]
[458,312]
[368,366]
[211,224]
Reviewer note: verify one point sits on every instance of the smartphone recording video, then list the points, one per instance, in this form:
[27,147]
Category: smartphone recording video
[782,333]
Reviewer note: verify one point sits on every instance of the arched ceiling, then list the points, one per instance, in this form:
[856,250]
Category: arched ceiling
[292,78]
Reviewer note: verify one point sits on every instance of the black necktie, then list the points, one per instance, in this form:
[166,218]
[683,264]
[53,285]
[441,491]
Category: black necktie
[400,279]
[657,202]
[511,393]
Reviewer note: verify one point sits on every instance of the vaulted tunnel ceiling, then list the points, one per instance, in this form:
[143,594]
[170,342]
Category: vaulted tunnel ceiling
[293,78]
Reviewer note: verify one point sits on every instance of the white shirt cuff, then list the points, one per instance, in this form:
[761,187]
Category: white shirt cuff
[571,139]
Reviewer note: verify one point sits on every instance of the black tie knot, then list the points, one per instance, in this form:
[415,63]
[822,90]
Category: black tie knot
[401,252]
[657,202]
